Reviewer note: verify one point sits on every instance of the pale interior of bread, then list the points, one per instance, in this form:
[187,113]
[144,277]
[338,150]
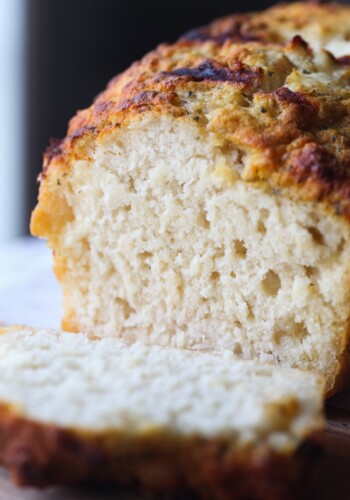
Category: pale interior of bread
[72,381]
[165,243]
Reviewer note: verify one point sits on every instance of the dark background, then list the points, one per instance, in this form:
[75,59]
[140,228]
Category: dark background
[75,46]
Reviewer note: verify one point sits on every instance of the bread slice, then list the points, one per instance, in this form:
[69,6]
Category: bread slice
[203,200]
[74,408]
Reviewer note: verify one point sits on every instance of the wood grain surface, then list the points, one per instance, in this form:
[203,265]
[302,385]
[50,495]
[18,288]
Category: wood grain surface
[331,480]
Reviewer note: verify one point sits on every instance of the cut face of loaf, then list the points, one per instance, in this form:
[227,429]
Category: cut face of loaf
[73,409]
[203,200]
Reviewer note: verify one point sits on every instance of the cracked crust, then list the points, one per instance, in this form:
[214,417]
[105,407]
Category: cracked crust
[254,83]
[42,455]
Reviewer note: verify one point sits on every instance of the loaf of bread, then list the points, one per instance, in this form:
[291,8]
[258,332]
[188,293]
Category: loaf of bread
[74,408]
[203,200]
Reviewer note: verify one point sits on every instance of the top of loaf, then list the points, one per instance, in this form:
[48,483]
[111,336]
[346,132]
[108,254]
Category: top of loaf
[273,85]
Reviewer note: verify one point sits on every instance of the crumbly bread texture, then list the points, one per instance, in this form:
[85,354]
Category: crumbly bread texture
[74,408]
[203,200]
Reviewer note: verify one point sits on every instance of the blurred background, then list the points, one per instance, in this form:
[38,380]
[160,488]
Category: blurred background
[55,56]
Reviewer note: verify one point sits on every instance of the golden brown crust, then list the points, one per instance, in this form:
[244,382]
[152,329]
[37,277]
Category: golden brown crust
[43,455]
[285,109]
[274,24]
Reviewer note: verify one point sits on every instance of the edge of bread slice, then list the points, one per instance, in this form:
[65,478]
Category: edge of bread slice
[74,408]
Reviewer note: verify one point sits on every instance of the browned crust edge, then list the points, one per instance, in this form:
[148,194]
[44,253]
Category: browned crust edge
[42,455]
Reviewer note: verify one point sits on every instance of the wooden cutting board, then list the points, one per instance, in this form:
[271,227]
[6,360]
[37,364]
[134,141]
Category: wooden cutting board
[332,481]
